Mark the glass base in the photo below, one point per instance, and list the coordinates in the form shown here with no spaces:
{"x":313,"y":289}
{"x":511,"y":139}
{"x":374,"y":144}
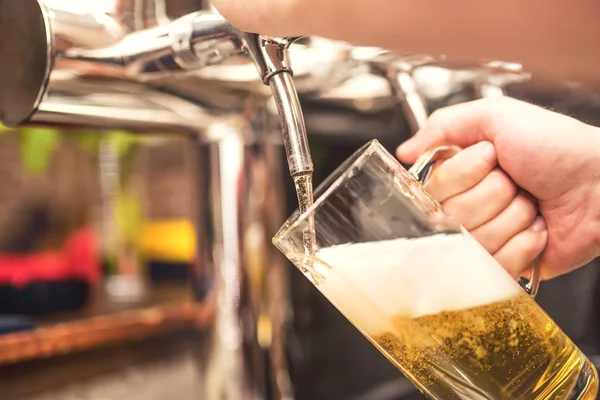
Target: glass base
{"x":586,"y":386}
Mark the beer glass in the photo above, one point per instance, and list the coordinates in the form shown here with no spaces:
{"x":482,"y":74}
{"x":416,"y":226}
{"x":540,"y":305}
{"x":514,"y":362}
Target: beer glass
{"x":424,"y":292}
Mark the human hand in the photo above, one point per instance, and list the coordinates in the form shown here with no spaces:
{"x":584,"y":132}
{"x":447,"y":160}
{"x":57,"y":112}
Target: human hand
{"x":486,"y":202}
{"x":553,"y":157}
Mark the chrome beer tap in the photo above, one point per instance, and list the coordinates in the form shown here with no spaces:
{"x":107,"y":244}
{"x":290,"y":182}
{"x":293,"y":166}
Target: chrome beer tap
{"x":124,"y":65}
{"x":189,"y":43}
{"x":271,"y":57}
{"x":397,"y":69}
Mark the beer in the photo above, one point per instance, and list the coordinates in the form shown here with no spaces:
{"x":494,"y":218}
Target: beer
{"x":304,"y":192}
{"x":447,"y":315}
{"x":507,"y":350}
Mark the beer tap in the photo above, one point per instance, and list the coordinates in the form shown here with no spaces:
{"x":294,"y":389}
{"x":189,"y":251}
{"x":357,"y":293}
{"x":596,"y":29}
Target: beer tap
{"x":197,"y":40}
{"x":271,"y":57}
{"x":397,"y":69}
{"x":73,"y":68}
{"x":496,"y":75}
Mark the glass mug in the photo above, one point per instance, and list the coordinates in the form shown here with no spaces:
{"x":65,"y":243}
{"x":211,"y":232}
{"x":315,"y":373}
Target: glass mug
{"x":424,"y":292}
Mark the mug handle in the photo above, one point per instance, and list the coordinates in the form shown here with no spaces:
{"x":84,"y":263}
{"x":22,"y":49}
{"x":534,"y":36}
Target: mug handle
{"x":421,"y":171}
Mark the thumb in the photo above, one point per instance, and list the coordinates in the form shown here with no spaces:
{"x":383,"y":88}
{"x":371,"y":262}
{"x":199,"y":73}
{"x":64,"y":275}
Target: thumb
{"x":462,"y":125}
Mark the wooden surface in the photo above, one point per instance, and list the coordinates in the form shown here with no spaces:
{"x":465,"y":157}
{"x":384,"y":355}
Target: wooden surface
{"x":156,"y":368}
{"x":105,"y":323}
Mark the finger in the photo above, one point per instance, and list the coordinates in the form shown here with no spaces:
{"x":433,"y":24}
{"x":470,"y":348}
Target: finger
{"x":462,"y":124}
{"x":517,"y":217}
{"x":462,"y":172}
{"x":518,"y":254}
{"x":485,"y":201}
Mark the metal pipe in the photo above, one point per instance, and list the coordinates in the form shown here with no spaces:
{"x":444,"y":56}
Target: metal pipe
{"x":192,"y":42}
{"x":292,"y":124}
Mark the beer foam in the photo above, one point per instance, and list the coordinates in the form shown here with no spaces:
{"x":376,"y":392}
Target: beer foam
{"x":411,"y":277}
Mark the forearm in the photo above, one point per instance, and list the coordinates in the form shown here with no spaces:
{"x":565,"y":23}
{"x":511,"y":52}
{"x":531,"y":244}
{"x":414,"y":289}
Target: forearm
{"x":557,"y":39}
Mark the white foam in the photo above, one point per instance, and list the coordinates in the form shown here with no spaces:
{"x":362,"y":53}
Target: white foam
{"x":411,"y":277}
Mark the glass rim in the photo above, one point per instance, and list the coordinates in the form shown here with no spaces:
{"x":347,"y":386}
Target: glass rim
{"x":327,"y":187}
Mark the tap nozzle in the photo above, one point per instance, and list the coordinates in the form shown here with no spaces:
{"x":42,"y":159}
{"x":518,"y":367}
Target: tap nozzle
{"x":31,"y":33}
{"x":271,"y":57}
{"x":292,"y":124}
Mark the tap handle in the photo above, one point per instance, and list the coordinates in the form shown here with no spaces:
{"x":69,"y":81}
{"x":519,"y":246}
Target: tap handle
{"x":412,"y":103}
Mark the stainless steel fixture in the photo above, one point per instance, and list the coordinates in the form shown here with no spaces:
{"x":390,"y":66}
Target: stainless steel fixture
{"x":127,"y":65}
{"x":57,"y":38}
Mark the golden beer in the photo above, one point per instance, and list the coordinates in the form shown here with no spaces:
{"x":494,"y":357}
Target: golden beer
{"x":452,"y":320}
{"x":505,"y":350}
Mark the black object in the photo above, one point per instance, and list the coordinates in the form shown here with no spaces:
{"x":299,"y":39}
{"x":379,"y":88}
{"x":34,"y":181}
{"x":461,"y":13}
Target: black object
{"x":168,"y":271}
{"x":39,"y":298}
{"x":15,"y":323}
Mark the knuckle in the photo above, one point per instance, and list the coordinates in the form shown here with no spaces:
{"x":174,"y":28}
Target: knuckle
{"x":471,"y":171}
{"x":485,"y":164}
{"x":502,"y":184}
{"x":468,"y":167}
{"x":496,"y":109}
{"x":525,"y":208}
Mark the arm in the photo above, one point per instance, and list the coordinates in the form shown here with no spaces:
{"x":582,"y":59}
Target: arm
{"x":554,"y":39}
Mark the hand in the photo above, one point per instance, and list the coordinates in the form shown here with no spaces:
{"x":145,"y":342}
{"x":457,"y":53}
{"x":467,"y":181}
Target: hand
{"x":553,"y":157}
{"x":501,"y":217}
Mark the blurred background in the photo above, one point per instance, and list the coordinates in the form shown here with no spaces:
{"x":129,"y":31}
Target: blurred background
{"x":136,"y":218}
